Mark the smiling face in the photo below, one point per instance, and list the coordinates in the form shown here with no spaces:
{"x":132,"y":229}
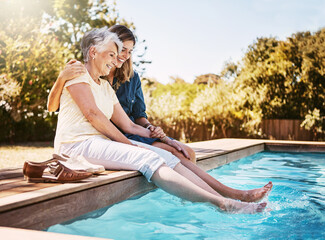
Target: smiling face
{"x":125,"y":53}
{"x":106,"y":58}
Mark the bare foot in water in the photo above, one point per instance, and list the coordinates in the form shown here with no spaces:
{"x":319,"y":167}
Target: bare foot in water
{"x":257,"y":194}
{"x":233,"y":206}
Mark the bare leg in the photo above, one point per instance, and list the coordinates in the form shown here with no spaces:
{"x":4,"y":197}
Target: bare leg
{"x":185,"y":172}
{"x":243,"y":195}
{"x":253,"y":195}
{"x":174,"y":183}
{"x":190,"y":152}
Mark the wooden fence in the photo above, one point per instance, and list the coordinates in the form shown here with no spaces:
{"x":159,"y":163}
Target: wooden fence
{"x":277,"y":129}
{"x":288,"y":129}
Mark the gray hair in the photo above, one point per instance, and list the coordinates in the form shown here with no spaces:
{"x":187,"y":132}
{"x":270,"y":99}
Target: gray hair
{"x":98,"y":37}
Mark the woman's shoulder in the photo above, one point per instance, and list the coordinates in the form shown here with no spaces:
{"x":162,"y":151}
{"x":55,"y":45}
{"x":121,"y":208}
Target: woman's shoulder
{"x":135,"y":76}
{"x":85,"y":78}
{"x":135,"y":79}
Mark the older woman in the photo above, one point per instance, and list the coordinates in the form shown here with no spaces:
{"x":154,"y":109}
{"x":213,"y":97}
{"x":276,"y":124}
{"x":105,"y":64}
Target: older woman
{"x":88,"y":104}
{"x":129,"y":92}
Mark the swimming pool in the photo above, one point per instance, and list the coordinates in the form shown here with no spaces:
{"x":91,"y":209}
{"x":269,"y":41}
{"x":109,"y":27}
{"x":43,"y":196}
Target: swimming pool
{"x":297,"y":200}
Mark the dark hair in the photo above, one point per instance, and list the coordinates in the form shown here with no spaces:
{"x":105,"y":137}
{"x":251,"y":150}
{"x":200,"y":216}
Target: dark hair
{"x":124,"y":73}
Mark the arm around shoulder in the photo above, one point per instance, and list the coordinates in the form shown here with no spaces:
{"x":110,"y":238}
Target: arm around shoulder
{"x":53,"y":100}
{"x":72,"y":70}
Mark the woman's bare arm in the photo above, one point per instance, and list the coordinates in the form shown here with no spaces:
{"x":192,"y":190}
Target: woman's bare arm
{"x":122,"y":120}
{"x":156,"y":132}
{"x":82,"y":95}
{"x":72,"y":70}
{"x":142,"y":121}
{"x":53,"y":100}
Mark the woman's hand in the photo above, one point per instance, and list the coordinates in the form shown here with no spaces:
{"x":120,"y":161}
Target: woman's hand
{"x":176,"y":145}
{"x":156,"y":132}
{"x":72,"y":70}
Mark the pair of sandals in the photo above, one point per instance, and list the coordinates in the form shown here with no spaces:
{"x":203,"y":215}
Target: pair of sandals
{"x":60,"y":169}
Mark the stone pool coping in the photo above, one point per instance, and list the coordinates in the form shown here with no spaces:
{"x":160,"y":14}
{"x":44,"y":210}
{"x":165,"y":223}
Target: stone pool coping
{"x":42,"y":208}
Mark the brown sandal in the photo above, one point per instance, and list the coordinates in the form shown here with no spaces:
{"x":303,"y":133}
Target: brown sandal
{"x":34,"y":172}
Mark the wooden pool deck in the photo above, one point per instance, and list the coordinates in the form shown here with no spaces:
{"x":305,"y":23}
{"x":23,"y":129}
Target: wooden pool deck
{"x":39,"y":205}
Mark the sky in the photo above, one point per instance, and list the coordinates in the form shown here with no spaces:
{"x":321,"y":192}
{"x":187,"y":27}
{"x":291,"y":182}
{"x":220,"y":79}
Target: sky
{"x":187,"y":38}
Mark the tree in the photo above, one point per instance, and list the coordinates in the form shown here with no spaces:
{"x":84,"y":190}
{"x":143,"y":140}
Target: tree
{"x":230,"y":71}
{"x":177,"y":79}
{"x":30,"y":60}
{"x":36,"y":39}
{"x":209,"y":79}
{"x":288,"y":75}
{"x":72,"y":18}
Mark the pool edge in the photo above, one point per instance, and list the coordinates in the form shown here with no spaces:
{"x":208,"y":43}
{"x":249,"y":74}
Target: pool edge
{"x":58,"y":209}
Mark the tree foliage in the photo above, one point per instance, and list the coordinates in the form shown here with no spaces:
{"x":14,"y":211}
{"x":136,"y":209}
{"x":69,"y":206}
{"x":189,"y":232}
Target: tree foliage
{"x":72,"y":18}
{"x":36,"y":39}
{"x":291,"y":74}
{"x":29,"y":62}
{"x":274,"y":80}
{"x":196,"y":112}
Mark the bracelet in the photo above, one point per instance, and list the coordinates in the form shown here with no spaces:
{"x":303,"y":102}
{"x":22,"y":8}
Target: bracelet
{"x":147,"y":126}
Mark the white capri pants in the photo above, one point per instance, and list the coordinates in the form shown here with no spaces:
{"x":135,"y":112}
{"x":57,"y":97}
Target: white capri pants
{"x":119,"y":156}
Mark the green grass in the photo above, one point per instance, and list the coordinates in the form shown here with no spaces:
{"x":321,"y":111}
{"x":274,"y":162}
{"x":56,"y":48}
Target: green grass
{"x":12,"y":156}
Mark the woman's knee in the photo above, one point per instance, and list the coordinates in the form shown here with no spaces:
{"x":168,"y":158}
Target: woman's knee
{"x":192,"y":154}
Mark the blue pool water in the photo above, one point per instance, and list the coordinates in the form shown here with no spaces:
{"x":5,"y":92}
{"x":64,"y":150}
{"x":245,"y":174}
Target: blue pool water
{"x":297,"y":202}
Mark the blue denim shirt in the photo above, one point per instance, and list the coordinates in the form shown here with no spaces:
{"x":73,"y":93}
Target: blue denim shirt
{"x":131,"y":98}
